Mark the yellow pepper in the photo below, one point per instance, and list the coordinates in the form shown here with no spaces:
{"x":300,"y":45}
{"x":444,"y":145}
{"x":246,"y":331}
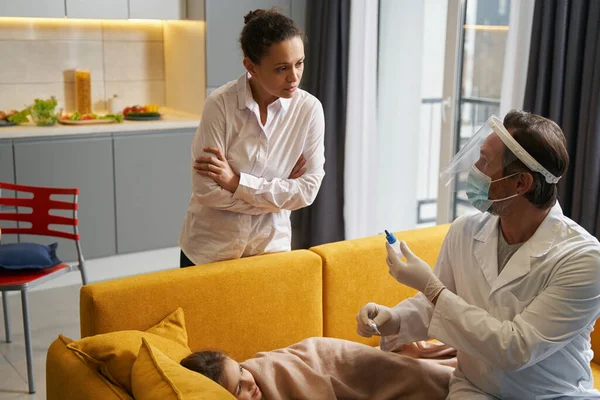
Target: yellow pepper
{"x":151,"y":108}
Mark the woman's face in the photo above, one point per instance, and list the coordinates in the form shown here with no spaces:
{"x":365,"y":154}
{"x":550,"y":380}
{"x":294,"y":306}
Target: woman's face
{"x":280,"y":70}
{"x":239,"y":381}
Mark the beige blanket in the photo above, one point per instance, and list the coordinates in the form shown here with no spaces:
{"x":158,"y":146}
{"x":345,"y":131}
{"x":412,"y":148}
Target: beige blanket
{"x":326,"y":368}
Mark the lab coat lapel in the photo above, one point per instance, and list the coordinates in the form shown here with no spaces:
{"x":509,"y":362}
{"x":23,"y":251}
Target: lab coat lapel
{"x":486,"y":249}
{"x":518,"y":266}
{"x":538,"y":245}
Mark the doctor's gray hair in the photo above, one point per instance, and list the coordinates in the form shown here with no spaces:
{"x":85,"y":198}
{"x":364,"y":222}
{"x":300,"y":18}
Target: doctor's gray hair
{"x":264,"y":28}
{"x":545,"y":142}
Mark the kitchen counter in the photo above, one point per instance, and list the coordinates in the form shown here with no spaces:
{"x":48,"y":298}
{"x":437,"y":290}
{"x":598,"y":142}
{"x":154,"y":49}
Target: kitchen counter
{"x":169,"y":121}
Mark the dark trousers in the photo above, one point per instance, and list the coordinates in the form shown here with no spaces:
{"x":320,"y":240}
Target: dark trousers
{"x":184,"y":261}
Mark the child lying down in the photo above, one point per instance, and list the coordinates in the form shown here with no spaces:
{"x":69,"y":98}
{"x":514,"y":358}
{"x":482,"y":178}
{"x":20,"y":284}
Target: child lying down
{"x":328,"y":368}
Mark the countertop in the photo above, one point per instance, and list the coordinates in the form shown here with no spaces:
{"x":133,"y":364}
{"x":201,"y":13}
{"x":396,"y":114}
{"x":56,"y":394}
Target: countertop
{"x":169,"y":121}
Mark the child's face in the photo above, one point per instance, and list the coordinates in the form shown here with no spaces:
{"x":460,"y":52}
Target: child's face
{"x":239,"y":381}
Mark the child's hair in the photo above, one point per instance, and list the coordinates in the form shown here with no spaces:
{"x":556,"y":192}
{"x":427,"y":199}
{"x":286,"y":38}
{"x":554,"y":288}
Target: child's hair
{"x":208,"y":363}
{"x":262,"y":29}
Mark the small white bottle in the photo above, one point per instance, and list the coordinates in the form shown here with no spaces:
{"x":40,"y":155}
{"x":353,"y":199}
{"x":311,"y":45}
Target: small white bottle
{"x":391,"y":239}
{"x":114,"y":105}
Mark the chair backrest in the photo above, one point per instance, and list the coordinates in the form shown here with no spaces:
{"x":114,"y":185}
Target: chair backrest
{"x":40,"y":217}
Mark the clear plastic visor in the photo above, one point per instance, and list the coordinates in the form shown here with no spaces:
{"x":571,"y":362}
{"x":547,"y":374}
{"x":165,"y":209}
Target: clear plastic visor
{"x":489,"y":150}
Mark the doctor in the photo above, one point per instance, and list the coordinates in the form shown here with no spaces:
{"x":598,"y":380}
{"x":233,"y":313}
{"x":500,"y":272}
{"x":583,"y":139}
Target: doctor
{"x":516,"y":288}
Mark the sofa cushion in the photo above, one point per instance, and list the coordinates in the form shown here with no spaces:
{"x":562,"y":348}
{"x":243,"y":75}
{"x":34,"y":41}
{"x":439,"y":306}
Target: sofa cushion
{"x":157,"y":377}
{"x":68,"y":377}
{"x":224,"y":302}
{"x":113,"y":354}
{"x":344,"y":293}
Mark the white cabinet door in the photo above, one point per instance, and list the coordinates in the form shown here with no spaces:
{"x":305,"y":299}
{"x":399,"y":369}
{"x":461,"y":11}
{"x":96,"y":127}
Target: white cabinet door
{"x":157,"y":9}
{"x":105,"y":9}
{"x":32,"y":8}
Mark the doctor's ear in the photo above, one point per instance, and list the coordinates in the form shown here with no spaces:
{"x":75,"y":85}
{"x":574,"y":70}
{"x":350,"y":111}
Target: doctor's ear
{"x":524,"y":182}
{"x":250,"y":66}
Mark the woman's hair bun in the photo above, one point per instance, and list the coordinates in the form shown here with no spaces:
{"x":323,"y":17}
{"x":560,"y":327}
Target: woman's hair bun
{"x":253,"y":14}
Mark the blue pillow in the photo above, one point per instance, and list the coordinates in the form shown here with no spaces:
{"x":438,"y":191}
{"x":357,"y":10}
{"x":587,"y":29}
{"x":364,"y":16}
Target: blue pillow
{"x":28,"y":256}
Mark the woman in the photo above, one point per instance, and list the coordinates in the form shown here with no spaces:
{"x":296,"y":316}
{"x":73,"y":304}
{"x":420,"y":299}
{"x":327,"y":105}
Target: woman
{"x":258,"y":153}
{"x":329,"y":368}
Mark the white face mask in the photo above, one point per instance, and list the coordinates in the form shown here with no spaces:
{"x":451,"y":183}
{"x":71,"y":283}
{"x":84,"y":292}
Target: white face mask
{"x":478,"y":189}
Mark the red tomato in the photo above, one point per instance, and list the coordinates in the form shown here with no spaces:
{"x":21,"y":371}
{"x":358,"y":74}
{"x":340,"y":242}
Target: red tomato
{"x":126,"y":111}
{"x":86,"y":117}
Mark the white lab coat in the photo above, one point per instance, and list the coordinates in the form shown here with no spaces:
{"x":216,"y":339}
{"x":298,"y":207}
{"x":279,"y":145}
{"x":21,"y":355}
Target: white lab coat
{"x":525,"y":333}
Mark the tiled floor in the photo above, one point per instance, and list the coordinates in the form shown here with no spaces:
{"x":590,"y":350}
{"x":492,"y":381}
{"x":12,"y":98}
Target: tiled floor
{"x":52,"y":312}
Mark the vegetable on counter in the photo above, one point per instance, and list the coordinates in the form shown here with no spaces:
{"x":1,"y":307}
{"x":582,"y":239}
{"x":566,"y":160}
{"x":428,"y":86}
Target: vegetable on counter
{"x":116,"y":117}
{"x":144,"y":114}
{"x":151,"y":108}
{"x":15,"y":117}
{"x":43,"y":112}
{"x":135,"y":109}
{"x":77,"y":116}
{"x":147,"y":109}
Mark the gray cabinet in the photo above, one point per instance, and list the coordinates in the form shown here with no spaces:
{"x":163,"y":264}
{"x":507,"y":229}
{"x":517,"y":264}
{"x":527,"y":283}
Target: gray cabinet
{"x":157,"y":9}
{"x":32,"y":8}
{"x":86,"y":163}
{"x":298,"y":12}
{"x":224,"y":23}
{"x":7,"y":175}
{"x":152,"y":187}
{"x":195,"y":10}
{"x":106,"y":9}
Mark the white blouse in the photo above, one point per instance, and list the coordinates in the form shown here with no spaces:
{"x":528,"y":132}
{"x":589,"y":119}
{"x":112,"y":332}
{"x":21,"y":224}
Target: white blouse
{"x":255,"y":219}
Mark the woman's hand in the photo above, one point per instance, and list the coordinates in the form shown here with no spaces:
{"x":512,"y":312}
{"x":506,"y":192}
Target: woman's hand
{"x":218,"y":169}
{"x":299,"y":169}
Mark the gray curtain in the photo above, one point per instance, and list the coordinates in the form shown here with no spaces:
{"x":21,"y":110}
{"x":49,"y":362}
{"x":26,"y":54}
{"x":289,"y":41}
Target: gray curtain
{"x":563,"y":84}
{"x":328,"y":33}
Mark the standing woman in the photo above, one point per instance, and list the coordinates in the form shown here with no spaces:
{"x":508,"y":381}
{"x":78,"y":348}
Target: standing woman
{"x":258,"y":153}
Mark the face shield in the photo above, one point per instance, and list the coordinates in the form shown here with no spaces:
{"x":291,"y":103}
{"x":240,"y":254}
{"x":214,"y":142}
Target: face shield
{"x":481,"y":161}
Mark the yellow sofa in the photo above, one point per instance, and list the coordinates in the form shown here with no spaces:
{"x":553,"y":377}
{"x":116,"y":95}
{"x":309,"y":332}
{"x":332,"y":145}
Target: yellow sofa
{"x":245,"y":306}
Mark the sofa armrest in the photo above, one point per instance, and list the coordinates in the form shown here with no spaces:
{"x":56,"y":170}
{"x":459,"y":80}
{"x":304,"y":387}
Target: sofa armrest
{"x":68,"y":377}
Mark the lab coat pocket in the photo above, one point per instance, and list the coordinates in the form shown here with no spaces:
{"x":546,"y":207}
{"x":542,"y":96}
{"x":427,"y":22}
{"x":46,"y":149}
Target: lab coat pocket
{"x":511,"y":305}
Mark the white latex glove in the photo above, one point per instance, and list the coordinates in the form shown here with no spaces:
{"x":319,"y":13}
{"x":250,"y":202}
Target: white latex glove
{"x":384,"y":318}
{"x":414,"y":273}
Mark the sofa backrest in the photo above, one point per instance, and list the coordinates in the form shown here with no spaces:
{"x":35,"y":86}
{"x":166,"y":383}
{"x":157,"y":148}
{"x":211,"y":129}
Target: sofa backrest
{"x":240,"y":306}
{"x":284,"y":297}
{"x":355,"y":273}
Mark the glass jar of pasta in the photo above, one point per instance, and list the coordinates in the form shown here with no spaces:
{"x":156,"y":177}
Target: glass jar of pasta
{"x":83,"y":91}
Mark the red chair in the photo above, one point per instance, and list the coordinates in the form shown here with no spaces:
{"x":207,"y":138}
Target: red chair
{"x":40,"y":220}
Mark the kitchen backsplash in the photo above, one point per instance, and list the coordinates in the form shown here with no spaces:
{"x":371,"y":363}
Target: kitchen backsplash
{"x":38,"y":56}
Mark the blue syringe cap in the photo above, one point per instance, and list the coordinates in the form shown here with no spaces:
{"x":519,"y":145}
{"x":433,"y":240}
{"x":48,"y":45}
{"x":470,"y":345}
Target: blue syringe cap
{"x":390,"y":237}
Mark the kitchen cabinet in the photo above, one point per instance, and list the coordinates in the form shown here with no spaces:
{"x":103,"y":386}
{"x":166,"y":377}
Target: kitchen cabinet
{"x":85,"y":163}
{"x":152,"y":188}
{"x":106,"y":9}
{"x":157,"y":9}
{"x":298,"y":12}
{"x":33,"y":8}
{"x":195,"y":10}
{"x":7,"y":175}
{"x":224,"y":23}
